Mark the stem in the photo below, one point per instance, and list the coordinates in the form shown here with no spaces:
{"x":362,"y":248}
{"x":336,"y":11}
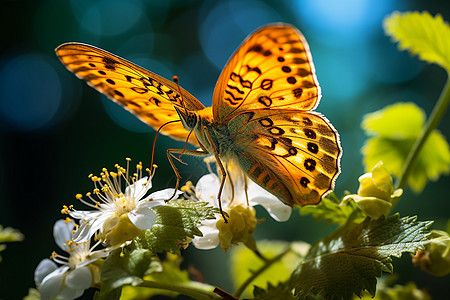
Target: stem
{"x":203,"y":292}
{"x":434,"y":119}
{"x":255,"y":274}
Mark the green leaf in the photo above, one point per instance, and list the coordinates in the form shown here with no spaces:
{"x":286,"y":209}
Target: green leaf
{"x":402,"y":120}
{"x":125,"y":267}
{"x":331,"y":210}
{"x":175,"y":224}
{"x":422,"y":34}
{"x":349,"y":260}
{"x":169,"y":272}
{"x":9,"y":234}
{"x":244,"y":263}
{"x":280,"y":291}
{"x":395,"y":130}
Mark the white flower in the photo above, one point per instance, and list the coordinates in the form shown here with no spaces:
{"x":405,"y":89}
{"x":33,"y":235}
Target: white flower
{"x":77,"y":272}
{"x":118,"y":215}
{"x":235,"y":196}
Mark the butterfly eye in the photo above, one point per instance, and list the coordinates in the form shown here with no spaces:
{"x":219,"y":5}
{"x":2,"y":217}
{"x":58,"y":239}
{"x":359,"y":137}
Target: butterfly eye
{"x":191,"y":120}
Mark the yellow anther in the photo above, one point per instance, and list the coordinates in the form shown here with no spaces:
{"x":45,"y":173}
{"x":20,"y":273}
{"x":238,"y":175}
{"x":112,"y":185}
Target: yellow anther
{"x":90,"y":175}
{"x":155,"y":166}
{"x":96,"y":191}
{"x":105,"y":188}
{"x":53,"y":255}
{"x":113,"y":174}
{"x":71,"y":243}
{"x":97,"y":205}
{"x":128,"y":159}
{"x":78,"y":196}
{"x":88,"y":194}
{"x":65,"y":210}
{"x":105,"y":170}
{"x":67,"y":220}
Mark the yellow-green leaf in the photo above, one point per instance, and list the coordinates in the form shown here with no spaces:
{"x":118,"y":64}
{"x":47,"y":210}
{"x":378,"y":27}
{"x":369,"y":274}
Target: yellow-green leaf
{"x":395,"y":130}
{"x":422,"y":34}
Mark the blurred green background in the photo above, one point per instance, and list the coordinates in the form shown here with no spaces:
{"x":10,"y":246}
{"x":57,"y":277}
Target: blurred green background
{"x":55,"y":130}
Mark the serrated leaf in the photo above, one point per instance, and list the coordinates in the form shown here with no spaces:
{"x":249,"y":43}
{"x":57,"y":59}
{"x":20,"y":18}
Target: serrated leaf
{"x":394,"y":138}
{"x":244,"y":262}
{"x":422,"y":34}
{"x":349,"y":260}
{"x":125,"y":268}
{"x":280,"y":291}
{"x":175,"y":223}
{"x":331,"y":210}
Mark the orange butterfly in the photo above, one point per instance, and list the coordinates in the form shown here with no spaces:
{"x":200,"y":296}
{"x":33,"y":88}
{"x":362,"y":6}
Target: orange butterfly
{"x":261,"y":118}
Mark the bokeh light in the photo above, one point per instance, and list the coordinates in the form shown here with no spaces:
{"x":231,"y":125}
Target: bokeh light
{"x":107,"y":17}
{"x":27,"y":103}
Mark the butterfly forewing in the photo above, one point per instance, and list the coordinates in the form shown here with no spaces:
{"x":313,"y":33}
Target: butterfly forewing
{"x":271,"y":69}
{"x":292,"y":154}
{"x":147,"y":95}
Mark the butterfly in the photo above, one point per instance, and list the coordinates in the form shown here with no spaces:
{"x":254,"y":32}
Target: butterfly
{"x":261,"y":118}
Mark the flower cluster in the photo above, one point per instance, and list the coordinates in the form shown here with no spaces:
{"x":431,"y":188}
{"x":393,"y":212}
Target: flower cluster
{"x":238,"y":198}
{"x":118,"y":216}
{"x":77,"y":272}
{"x":122,"y":207}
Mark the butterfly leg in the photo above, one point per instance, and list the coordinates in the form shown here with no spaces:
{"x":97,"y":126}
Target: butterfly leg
{"x":170,"y":156}
{"x":222,"y":170}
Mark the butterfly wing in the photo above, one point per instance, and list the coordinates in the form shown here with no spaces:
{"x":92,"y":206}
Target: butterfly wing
{"x":145,"y":94}
{"x":292,"y":154}
{"x":271,"y":69}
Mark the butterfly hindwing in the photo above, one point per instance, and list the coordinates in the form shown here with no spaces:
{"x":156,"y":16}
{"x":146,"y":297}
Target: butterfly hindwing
{"x":292,"y":154}
{"x":147,"y":95}
{"x":271,"y":69}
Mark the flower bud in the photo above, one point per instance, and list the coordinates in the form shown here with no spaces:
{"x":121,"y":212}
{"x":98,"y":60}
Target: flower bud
{"x":240,"y":227}
{"x":436,"y":259}
{"x":375,"y":193}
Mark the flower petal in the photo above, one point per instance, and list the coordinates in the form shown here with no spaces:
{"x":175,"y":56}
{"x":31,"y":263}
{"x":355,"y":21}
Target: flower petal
{"x":210,"y":238}
{"x":62,"y":232}
{"x":139,"y":188}
{"x":162,"y":195}
{"x":52,"y":283}
{"x":143,"y":217}
{"x":45,"y":267}
{"x":89,"y":226}
{"x":80,"y":278}
{"x":277,"y":209}
{"x":69,"y":293}
{"x":207,"y":188}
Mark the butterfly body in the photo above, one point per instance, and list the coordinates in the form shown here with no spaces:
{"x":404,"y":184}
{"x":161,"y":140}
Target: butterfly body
{"x":261,"y":117}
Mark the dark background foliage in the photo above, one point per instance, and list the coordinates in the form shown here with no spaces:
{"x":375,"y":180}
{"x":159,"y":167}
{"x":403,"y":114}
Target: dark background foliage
{"x":55,"y":130}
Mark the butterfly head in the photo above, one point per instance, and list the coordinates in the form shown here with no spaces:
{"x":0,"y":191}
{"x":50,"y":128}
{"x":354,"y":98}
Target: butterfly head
{"x":188,"y":118}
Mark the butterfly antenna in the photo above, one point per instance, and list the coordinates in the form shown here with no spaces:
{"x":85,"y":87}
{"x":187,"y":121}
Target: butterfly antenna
{"x":154,"y":143}
{"x":177,"y":80}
